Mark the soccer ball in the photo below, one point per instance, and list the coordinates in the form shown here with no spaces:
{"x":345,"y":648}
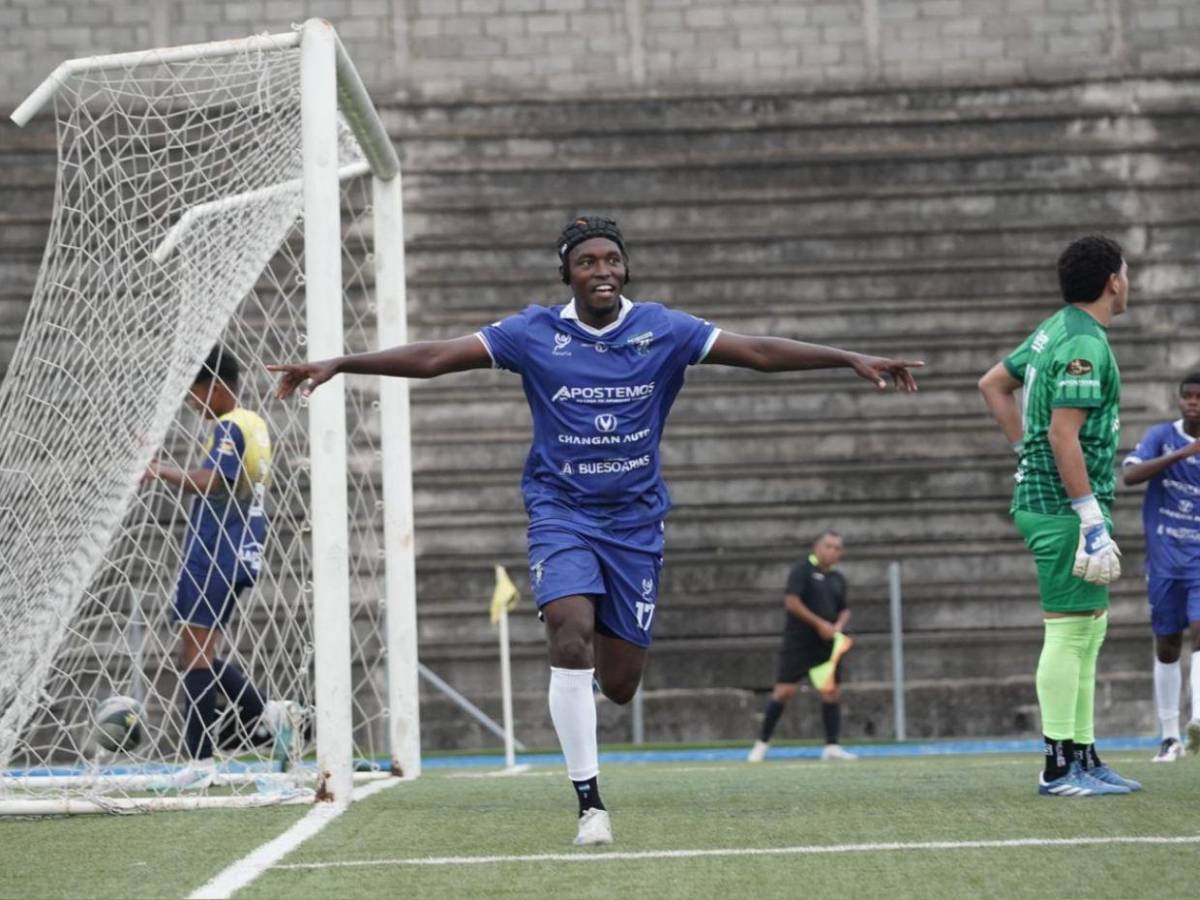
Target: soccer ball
{"x":120,"y":724}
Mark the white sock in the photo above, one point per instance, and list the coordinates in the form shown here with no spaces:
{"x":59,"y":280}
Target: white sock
{"x":1168,"y":679}
{"x":573,"y":711}
{"x":1195,"y":678}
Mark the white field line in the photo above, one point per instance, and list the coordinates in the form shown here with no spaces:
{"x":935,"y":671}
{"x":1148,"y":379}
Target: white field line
{"x":811,"y":850}
{"x":813,"y":766}
{"x":245,"y":870}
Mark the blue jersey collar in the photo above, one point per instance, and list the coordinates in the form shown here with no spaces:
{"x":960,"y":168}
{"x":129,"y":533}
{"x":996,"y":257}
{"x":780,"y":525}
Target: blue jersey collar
{"x":568,"y":312}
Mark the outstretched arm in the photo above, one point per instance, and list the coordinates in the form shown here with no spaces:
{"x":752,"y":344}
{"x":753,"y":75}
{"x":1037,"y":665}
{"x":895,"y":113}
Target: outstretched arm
{"x":772,"y":354}
{"x":1136,"y":473}
{"x":999,"y":390}
{"x":424,"y":359}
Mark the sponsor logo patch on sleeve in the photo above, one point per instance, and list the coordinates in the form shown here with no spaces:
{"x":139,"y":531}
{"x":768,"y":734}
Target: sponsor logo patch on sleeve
{"x":1079,"y":367}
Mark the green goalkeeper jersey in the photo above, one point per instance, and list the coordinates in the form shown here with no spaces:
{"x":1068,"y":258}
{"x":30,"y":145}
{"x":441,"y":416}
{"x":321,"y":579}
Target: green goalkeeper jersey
{"x":1066,"y":362}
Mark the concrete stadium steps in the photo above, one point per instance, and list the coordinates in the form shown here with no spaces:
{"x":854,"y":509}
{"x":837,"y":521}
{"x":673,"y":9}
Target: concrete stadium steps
{"x":581,"y":138}
{"x":753,"y":444}
{"x":733,"y":252}
{"x":813,"y":109}
{"x":749,"y":663}
{"x":748,"y":612}
{"x":899,"y":221}
{"x":631,"y":185}
{"x":748,"y":526}
{"x":466,"y":577}
{"x":905,"y":316}
{"x":713,"y":290}
{"x":843,"y":214}
{"x":937,"y":708}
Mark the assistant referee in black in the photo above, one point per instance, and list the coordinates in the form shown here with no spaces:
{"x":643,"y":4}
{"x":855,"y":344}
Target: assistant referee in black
{"x":815,"y":600}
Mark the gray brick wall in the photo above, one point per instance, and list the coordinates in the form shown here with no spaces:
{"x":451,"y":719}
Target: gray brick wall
{"x":444,"y":48}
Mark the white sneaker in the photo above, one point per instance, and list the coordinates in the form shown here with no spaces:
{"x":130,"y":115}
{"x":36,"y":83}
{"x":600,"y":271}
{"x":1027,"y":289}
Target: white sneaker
{"x":1169,"y":751}
{"x":758,"y":752}
{"x":282,"y":718}
{"x":195,"y":776}
{"x":594,"y":828}
{"x":836,"y":751}
{"x":1193,"y":737}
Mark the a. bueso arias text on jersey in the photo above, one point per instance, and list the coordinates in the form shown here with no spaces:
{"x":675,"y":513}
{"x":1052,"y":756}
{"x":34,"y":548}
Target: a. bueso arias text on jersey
{"x":600,"y":399}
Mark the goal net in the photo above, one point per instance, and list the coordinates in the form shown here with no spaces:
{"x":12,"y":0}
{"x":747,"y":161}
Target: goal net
{"x":179,"y":225}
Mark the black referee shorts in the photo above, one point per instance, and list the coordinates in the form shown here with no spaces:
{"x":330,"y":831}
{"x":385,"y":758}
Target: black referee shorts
{"x":801,"y":652}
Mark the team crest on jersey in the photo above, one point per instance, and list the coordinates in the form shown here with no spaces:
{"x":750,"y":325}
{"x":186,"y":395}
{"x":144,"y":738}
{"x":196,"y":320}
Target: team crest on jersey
{"x":1079,"y":367}
{"x":641,"y":342}
{"x":561,"y":341}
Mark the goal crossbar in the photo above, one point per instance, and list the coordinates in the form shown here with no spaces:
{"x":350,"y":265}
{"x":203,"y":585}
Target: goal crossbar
{"x":355,"y":102}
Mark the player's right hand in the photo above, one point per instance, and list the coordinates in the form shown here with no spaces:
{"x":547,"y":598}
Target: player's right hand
{"x":306,"y":376}
{"x":1097,"y":556}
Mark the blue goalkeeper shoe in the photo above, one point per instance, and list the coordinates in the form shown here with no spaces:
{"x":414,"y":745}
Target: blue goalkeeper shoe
{"x":1108,"y":776}
{"x":1077,"y":783}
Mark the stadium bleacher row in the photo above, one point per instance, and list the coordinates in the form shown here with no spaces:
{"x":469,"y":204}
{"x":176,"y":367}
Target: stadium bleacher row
{"x":918,"y":222}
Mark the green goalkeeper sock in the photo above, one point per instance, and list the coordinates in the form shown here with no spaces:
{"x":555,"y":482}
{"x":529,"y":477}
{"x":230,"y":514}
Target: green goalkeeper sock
{"x":1064,"y":647}
{"x":1085,"y":697}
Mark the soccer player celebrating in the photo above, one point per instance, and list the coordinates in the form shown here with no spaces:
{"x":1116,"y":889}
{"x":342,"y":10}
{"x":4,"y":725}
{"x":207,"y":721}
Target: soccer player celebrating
{"x":222,"y":555}
{"x":600,"y":373}
{"x":1168,"y":457}
{"x":1066,"y":434}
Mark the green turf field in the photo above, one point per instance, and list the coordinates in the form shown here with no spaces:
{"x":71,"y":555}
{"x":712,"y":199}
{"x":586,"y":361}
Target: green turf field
{"x":416,"y":839}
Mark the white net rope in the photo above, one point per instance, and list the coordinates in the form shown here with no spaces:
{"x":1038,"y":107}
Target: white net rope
{"x":176,"y":225}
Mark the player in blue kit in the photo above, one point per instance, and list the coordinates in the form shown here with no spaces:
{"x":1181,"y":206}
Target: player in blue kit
{"x":222,"y":555}
{"x":600,"y":373}
{"x":1168,"y":457}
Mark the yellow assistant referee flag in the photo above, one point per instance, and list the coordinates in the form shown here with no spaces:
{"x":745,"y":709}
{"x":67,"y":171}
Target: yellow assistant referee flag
{"x":505,"y":595}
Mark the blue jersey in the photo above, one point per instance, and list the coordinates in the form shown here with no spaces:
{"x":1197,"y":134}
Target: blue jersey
{"x":599,"y":399}
{"x":227,"y":527}
{"x":1171,"y":508}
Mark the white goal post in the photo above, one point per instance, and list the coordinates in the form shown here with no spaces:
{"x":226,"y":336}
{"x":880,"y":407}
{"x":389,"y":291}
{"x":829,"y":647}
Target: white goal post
{"x":242,"y":193}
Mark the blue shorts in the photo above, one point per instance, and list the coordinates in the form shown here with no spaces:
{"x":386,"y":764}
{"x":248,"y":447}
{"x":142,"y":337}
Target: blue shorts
{"x":619,"y":570}
{"x":1174,"y":602}
{"x":206,"y":592}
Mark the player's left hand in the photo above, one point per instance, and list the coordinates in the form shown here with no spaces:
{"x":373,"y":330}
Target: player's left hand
{"x":878,"y":369}
{"x":1097,"y":556}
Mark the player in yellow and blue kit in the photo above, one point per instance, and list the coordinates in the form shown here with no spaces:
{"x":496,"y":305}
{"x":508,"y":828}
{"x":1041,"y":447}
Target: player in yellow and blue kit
{"x":222,"y":556}
{"x":600,"y":373}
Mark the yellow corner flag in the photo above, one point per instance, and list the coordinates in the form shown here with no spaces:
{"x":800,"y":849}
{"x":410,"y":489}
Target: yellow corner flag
{"x":824,"y":676}
{"x":505,"y":595}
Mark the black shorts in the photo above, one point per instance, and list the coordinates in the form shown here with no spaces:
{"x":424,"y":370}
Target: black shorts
{"x":801,"y":652}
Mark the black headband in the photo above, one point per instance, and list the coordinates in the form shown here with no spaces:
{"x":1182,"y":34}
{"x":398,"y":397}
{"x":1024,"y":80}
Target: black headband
{"x":582,"y":229}
{"x":586,"y":227}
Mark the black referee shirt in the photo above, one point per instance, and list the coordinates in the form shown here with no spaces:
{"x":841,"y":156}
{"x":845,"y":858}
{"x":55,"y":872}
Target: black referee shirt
{"x":824,"y":592}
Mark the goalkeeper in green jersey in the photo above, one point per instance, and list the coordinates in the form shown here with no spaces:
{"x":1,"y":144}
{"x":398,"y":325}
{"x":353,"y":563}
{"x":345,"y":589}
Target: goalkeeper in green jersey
{"x":1065,"y":433}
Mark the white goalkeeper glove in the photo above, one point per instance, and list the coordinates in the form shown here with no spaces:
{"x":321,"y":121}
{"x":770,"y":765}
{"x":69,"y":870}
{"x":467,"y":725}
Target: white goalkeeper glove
{"x":1097,"y":558}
